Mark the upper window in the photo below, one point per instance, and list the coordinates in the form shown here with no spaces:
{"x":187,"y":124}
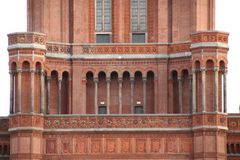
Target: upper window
{"x":139,"y":15}
{"x":103,"y":15}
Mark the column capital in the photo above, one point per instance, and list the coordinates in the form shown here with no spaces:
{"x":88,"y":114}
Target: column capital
{"x":12,"y":72}
{"x":32,"y":70}
{"x":132,"y":79}
{"x":19,"y":71}
{"x":179,"y":78}
{"x":59,"y":79}
{"x":108,"y":79}
{"x":144,"y":79}
{"x":225,"y":71}
{"x":216,"y":69}
{"x":120,"y":79}
{"x":203,"y":69}
{"x":48,"y":78}
{"x":95,"y":79}
{"x":194,"y":70}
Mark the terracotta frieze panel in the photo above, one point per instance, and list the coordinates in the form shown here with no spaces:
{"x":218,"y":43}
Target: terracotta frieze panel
{"x":37,"y":38}
{"x":52,"y":122}
{"x":209,"y":37}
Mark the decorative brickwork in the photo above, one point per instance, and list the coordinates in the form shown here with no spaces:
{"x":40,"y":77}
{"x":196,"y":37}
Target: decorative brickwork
{"x":73,"y":98}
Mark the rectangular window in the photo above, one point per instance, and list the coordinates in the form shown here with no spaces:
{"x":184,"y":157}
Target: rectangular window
{"x":103,"y":38}
{"x":138,"y":38}
{"x":102,"y":110}
{"x":138,"y":110}
{"x":139,"y":15}
{"x":103,"y":13}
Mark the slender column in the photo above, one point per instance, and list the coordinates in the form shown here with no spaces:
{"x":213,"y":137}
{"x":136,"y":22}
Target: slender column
{"x":19,"y":90}
{"x":155,"y":94}
{"x":132,"y":92}
{"x":190,"y":93}
{"x":32,"y":90}
{"x":120,"y":95}
{"x":144,"y":94}
{"x":11,"y":91}
{"x":180,"y":94}
{"x":96,"y":95}
{"x":59,"y":94}
{"x":42,"y":91}
{"x":108,"y":94}
{"x":216,"y":109}
{"x":225,"y":91}
{"x":70,"y":95}
{"x":203,"y":89}
{"x":48,"y":94}
{"x":194,"y":88}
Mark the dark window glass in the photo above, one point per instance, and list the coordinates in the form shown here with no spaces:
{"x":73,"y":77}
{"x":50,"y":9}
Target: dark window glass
{"x":138,"y":38}
{"x":138,"y":109}
{"x":103,"y":38}
{"x":102,"y":110}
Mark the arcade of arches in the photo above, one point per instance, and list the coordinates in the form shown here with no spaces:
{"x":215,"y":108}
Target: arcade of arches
{"x":119,"y":93}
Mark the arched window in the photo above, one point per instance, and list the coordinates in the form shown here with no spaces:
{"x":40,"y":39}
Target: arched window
{"x":103,"y":26}
{"x":139,"y":20}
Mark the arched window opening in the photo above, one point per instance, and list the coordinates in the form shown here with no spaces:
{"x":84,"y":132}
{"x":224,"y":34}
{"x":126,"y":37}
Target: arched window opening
{"x":175,"y":91}
{"x":90,"y":93}
{"x":114,"y":94}
{"x":126,"y":94}
{"x":150,"y":96}
{"x":65,"y":94}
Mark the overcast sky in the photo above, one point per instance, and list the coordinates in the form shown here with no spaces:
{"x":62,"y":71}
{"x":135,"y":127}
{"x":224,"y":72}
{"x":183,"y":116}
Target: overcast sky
{"x":13,"y":19}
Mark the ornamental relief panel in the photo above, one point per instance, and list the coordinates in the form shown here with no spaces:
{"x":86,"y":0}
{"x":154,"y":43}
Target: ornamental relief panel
{"x":141,"y":146}
{"x":111,"y":146}
{"x":27,"y":38}
{"x":210,"y":37}
{"x":51,"y":146}
{"x":126,"y":146}
{"x":81,"y":146}
{"x":234,"y":124}
{"x":157,"y":146}
{"x":118,"y":122}
{"x":96,"y":146}
{"x":101,"y":145}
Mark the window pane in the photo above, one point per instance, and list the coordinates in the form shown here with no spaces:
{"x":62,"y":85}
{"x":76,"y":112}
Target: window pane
{"x":103,"y":38}
{"x":103,"y":24}
{"x":139,"y":15}
{"x":138,"y":38}
{"x":138,"y":110}
{"x":102,"y":110}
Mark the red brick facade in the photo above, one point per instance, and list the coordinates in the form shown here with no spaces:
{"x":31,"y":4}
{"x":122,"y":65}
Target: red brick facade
{"x":61,"y":80}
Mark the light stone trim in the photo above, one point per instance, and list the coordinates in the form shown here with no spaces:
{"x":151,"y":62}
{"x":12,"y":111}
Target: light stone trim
{"x":25,"y":129}
{"x":100,"y":129}
{"x":25,"y":55}
{"x":27,"y":33}
{"x":119,"y":56}
{"x":117,"y":115}
{"x":209,"y":127}
{"x":27,"y":45}
{"x":209,"y":44}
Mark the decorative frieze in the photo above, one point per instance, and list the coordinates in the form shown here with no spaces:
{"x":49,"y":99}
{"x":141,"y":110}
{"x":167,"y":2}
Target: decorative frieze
{"x":27,"y":38}
{"x":209,"y":37}
{"x":117,"y":122}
